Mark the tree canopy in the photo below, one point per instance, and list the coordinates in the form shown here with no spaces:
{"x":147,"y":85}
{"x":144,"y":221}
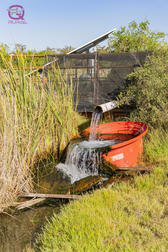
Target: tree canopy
{"x":137,"y":37}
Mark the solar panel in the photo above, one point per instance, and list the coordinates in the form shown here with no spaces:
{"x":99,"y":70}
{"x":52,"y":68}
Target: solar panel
{"x":91,"y":44}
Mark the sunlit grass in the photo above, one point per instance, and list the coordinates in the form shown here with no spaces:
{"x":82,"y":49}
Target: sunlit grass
{"x":126,"y":217}
{"x":36,"y":120}
{"x":129,"y":217}
{"x":156,"y":147}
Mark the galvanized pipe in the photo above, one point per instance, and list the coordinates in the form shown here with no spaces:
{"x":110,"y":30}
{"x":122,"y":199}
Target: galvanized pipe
{"x":106,"y":107}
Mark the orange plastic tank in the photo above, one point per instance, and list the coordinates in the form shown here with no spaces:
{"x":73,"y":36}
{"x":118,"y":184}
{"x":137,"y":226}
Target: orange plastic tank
{"x":128,"y":152}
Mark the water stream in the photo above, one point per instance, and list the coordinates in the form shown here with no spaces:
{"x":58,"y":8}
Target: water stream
{"x":18,"y":232}
{"x":84,"y":158}
{"x":96,"y":116}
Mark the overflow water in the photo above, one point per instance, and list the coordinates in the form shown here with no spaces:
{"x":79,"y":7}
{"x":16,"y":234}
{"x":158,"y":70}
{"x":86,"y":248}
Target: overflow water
{"x":80,"y":162}
{"x":84,"y":158}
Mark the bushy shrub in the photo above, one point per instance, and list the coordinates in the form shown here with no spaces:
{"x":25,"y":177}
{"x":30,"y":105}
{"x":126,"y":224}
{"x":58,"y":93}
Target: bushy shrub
{"x":148,"y":89}
{"x":136,"y":37}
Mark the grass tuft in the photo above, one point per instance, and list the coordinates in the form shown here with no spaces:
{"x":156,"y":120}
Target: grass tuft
{"x":156,"y":147}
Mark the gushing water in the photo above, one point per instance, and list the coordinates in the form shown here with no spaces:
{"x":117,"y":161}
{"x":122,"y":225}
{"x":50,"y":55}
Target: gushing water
{"x":94,"y":125}
{"x":80,"y":162}
{"x":84,"y":158}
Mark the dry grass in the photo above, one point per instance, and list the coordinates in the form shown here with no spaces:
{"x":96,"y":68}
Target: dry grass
{"x":15,"y":176}
{"x":36,"y":120}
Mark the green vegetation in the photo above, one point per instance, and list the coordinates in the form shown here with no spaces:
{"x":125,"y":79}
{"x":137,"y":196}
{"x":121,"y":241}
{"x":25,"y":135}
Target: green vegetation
{"x":127,"y":217}
{"x":35,"y":122}
{"x":124,"y":217}
{"x":137,"y":37}
{"x":156,"y":148}
{"x":33,"y":58}
{"x":148,"y":89}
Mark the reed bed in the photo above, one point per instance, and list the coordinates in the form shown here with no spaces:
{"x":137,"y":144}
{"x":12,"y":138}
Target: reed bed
{"x":36,"y":119}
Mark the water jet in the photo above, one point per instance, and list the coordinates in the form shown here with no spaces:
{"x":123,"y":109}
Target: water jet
{"x":116,"y":144}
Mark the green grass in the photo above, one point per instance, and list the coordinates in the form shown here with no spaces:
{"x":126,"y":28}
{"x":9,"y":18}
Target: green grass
{"x":126,"y":217}
{"x":130,"y":217}
{"x":156,"y":147}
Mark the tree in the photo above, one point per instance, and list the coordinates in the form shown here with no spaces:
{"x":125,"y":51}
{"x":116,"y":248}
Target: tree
{"x":20,"y":47}
{"x":148,"y":84}
{"x":102,"y":49}
{"x":137,"y":37}
{"x":50,"y":50}
{"x":65,"y":50}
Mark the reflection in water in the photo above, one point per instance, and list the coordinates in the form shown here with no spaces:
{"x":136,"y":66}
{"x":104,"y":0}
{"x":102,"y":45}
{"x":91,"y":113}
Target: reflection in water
{"x":18,"y":232}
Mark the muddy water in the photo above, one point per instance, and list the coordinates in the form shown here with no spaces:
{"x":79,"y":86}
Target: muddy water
{"x":19,"y":231}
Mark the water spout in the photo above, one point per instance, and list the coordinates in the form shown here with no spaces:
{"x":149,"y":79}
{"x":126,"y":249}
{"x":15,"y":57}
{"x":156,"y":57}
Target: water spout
{"x":96,"y":116}
{"x":84,"y":158}
{"x":106,"y":107}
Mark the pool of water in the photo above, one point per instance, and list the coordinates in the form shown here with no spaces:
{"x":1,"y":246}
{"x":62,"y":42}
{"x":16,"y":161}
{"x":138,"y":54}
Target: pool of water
{"x":18,"y":232}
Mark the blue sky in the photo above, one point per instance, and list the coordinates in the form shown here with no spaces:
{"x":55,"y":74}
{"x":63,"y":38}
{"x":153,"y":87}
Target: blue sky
{"x":60,"y":23}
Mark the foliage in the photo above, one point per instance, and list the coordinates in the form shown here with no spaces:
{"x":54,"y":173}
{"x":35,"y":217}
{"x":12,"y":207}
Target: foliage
{"x":156,"y":147}
{"x":20,"y":47}
{"x":5,"y":46}
{"x":64,"y":50}
{"x":137,"y":37}
{"x":129,"y":217}
{"x":102,"y":49}
{"x":35,"y":120}
{"x":149,"y":90}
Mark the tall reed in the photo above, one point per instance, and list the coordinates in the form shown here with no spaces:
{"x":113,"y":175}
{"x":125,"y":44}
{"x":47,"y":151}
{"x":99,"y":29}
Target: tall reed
{"x":35,"y":118}
{"x":15,"y":177}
